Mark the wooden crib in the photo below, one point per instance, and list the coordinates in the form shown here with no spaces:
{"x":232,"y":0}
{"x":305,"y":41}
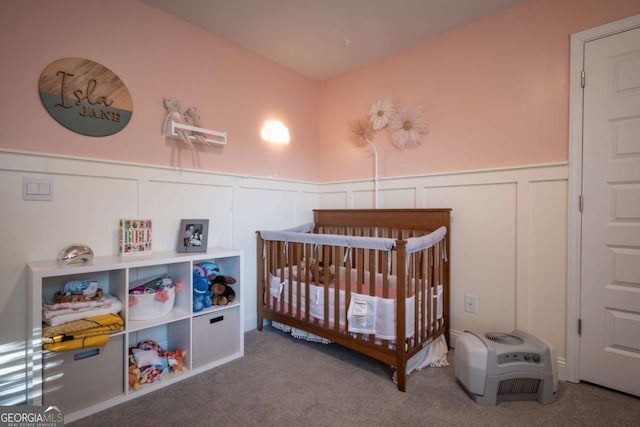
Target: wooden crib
{"x":345,"y":276}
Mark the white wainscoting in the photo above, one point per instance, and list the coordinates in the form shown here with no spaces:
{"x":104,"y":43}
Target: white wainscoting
{"x":89,"y":198}
{"x":508,"y":233}
{"x":508,"y":242}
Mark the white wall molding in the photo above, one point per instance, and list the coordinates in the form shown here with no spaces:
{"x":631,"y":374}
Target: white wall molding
{"x":31,"y":155}
{"x":504,"y":169}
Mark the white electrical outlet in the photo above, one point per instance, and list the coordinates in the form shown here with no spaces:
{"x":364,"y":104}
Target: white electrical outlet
{"x":471,"y":303}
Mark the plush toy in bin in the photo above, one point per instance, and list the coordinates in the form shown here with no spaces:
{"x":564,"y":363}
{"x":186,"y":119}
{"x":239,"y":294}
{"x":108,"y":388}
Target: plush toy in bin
{"x":201,"y":292}
{"x":222,"y":293}
{"x":149,"y":363}
{"x":207,"y":269}
{"x":134,"y":374}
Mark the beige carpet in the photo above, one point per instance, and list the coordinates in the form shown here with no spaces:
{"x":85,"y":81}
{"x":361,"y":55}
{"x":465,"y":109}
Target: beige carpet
{"x":282,"y":381}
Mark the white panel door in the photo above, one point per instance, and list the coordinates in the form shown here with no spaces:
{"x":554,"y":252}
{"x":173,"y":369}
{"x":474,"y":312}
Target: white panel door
{"x":610,"y":289}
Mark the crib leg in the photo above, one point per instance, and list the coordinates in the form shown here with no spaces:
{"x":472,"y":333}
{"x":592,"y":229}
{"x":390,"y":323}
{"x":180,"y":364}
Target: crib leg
{"x":401,"y":376}
{"x":260,"y":318}
{"x":261,"y":282}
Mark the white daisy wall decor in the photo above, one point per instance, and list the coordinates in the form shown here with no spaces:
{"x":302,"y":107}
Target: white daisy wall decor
{"x":380,"y":113}
{"x":407,"y":127}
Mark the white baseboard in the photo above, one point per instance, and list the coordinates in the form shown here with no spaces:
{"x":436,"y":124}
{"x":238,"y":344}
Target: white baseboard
{"x":250,"y":322}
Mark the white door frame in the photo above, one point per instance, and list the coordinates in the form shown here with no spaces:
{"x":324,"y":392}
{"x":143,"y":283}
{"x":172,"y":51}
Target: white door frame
{"x":578,"y":41}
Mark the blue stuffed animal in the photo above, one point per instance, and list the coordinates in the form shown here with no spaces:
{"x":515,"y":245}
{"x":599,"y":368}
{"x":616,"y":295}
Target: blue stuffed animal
{"x":201,"y":292}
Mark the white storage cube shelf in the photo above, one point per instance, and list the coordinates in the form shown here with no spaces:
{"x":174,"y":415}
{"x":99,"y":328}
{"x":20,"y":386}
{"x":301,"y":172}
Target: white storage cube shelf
{"x":84,"y":381}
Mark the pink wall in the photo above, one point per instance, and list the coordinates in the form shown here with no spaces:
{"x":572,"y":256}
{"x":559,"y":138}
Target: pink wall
{"x":495,"y":93}
{"x":155,"y":55}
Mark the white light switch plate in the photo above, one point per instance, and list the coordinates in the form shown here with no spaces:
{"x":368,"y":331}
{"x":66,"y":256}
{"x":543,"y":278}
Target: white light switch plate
{"x":37,"y":189}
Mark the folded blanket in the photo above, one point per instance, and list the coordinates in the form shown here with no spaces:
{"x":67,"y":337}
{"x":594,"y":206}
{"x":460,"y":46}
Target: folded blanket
{"x":93,"y":341}
{"x":82,"y":328}
{"x":114,"y":307}
{"x":76,"y":305}
{"x":49,"y":311}
{"x":91,"y":332}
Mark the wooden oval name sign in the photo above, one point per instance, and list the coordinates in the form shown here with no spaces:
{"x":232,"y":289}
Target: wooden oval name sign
{"x":85,"y":97}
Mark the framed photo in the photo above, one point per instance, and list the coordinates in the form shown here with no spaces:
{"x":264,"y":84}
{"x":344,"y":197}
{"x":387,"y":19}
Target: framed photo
{"x":193,"y":234}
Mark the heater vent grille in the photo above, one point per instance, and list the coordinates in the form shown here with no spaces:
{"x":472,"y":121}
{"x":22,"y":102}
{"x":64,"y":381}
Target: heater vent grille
{"x":504,"y":338}
{"x":519,"y":386}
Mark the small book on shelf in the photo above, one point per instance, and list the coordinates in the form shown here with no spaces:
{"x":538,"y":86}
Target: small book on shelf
{"x":135,"y":236}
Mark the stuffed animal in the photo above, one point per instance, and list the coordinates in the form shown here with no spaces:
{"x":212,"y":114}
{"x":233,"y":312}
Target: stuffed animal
{"x":222,"y":293}
{"x":321,"y":273}
{"x":207,"y":269}
{"x":223,"y":280}
{"x":153,"y":362}
{"x":201,"y":293}
{"x":176,"y":360}
{"x":300,"y":274}
{"x":134,"y":374}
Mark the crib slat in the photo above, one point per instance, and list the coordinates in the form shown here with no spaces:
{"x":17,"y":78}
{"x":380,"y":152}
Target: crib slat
{"x":261,"y":273}
{"x":417,"y":285}
{"x":295,"y":261}
{"x":386,"y":286}
{"x":400,"y":315}
{"x":432,"y":289}
{"x":439,"y":273}
{"x":273,"y":252}
{"x":305,"y":278}
{"x":372,"y":277}
{"x":325,"y":255}
{"x":437,"y":280}
{"x":347,"y":273}
{"x":422,"y":292}
{"x":288,"y":255}
{"x":359,"y":269}
{"x":281,"y":265}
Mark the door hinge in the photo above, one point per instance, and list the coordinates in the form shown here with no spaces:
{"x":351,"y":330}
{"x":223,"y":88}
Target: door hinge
{"x":579,"y":326}
{"x":582,"y":78}
{"x":580,"y":203}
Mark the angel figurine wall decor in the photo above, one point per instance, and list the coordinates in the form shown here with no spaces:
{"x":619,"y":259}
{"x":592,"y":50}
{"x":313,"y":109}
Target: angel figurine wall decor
{"x":173,"y":115}
{"x":192,"y":117}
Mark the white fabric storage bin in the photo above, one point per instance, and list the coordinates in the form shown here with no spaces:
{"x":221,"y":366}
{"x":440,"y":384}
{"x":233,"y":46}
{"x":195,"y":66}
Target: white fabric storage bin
{"x":149,"y":306}
{"x":215,"y":336}
{"x":75,"y":379}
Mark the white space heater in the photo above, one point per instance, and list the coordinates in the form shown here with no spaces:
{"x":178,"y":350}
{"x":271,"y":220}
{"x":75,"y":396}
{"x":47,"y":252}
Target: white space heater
{"x":500,"y":366}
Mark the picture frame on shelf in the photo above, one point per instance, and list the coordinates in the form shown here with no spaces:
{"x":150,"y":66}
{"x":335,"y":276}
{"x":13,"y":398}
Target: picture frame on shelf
{"x":134,"y":236}
{"x":193,"y":235}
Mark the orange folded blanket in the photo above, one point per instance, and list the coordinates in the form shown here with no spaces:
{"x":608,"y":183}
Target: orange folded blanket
{"x":74,"y":344}
{"x":89,"y":332}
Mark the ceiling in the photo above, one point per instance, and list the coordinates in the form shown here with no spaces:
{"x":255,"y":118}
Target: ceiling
{"x":324,"y":38}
